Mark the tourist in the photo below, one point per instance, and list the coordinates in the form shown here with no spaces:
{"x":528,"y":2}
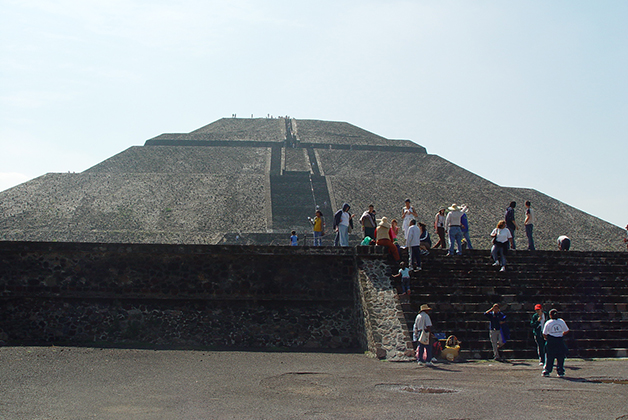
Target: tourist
{"x":509,"y":217}
{"x":318,"y":225}
{"x":555,"y":348}
{"x":439,"y":227}
{"x":464,"y":226}
{"x":413,"y":243}
{"x":501,"y":236}
{"x":564,"y":243}
{"x":404,"y":273}
{"x":407,"y":213}
{"x":394,"y":230}
{"x":537,"y":323}
{"x":496,"y":320}
{"x":529,"y":225}
{"x":421,"y":334}
{"x":342,"y":222}
{"x":368,"y":222}
{"x":452,"y":225}
{"x":294,"y":239}
{"x":626,"y":238}
{"x":424,"y":240}
{"x":394,"y":234}
{"x":382,"y":237}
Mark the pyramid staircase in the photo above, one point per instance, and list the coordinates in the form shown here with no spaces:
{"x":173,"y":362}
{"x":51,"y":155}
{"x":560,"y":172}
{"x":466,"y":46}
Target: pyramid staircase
{"x":589,"y":289}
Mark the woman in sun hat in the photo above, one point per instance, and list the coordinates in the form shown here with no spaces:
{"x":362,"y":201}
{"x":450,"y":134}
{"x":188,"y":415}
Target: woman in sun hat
{"x":382,"y":237}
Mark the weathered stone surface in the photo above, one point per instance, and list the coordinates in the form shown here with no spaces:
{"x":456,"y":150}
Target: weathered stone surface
{"x":387,"y":335}
{"x":185,"y":296}
{"x":254,"y":176}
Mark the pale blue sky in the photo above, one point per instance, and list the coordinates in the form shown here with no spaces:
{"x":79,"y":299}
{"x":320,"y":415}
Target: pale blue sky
{"x":526,"y":94}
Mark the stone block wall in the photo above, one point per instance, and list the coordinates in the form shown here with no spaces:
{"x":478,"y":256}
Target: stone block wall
{"x":248,"y":297}
{"x":386,"y":333}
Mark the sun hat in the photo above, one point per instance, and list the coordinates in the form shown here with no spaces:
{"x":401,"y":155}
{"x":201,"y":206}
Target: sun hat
{"x":425,"y":307}
{"x":454,"y":207}
{"x":384,"y":222}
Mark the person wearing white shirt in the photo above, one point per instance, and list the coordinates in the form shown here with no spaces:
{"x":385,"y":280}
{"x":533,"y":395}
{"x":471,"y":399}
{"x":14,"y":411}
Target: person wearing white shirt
{"x":453,"y":226}
{"x":413,"y":243}
{"x":422,"y":323}
{"x":407,"y":213}
{"x":555,"y":349}
{"x":501,"y":237}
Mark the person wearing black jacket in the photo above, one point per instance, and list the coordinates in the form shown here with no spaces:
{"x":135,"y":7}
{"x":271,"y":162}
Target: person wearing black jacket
{"x":509,"y":217}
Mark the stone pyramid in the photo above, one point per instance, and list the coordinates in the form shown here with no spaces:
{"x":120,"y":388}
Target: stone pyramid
{"x":254,"y":180}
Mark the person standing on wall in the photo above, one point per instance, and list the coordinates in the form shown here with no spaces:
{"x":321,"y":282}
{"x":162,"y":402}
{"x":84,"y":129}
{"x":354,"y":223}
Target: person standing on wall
{"x":342,"y":222}
{"x":464,"y":225}
{"x":509,"y":217}
{"x":529,"y":224}
{"x":452,"y":225}
{"x":368,"y":222}
{"x":413,"y":243}
{"x":439,"y":227}
{"x":407,"y":213}
{"x":555,"y":348}
{"x":318,"y":226}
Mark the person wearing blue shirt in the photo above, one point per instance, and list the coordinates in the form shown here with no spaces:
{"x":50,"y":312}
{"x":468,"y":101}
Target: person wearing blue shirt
{"x":496,"y":319}
{"x":404,"y":273}
{"x":294,"y":239}
{"x":464,"y":225}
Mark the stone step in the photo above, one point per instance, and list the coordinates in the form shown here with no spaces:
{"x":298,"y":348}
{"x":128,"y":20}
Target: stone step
{"x":524,"y":317}
{"x":589,"y":289}
{"x":595,"y":300}
{"x":531,"y":353}
{"x":609,"y":327}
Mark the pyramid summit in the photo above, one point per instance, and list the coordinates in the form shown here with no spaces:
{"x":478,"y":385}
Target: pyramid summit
{"x":257,"y":179}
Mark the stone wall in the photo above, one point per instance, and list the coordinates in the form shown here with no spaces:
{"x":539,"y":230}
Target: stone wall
{"x":247,"y":297}
{"x":386,"y":333}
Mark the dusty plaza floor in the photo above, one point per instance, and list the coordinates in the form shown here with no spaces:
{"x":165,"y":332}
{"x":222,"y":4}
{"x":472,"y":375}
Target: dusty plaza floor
{"x":93,"y":383}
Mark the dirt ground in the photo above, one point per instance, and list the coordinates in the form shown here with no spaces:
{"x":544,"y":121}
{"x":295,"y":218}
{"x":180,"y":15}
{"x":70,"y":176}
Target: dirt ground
{"x":92,"y":383}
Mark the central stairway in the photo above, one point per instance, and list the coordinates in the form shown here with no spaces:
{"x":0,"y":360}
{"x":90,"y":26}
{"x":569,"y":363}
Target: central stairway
{"x":589,"y":289}
{"x":295,"y":196}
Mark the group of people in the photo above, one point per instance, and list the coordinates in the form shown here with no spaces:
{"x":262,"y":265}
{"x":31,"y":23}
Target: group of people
{"x":386,"y":232}
{"x":452,"y":222}
{"x":547,"y":328}
{"x":548,"y":331}
{"x":455,"y":224}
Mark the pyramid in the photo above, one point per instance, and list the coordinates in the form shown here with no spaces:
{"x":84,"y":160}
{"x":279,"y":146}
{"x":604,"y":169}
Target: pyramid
{"x":255,"y":180}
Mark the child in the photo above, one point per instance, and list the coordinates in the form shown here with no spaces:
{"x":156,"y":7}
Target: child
{"x":404,"y":273}
{"x":294,"y":240}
